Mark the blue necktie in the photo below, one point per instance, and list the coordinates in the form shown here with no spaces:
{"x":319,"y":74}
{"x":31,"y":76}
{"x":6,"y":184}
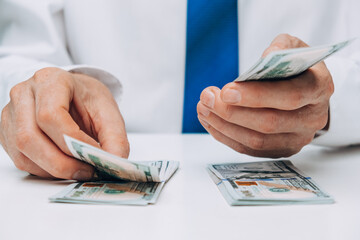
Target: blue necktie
{"x":211,"y":52}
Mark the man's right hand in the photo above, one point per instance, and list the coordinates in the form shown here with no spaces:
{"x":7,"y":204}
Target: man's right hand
{"x":52,"y":103}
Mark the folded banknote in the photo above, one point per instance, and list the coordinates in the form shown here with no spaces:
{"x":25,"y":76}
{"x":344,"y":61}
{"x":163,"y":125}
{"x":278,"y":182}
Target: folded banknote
{"x":112,"y":166}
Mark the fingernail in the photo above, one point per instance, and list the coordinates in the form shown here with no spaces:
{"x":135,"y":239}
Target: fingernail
{"x":83,"y":175}
{"x":204,"y":123}
{"x":208,"y":98}
{"x":231,"y":96}
{"x":203,"y":110}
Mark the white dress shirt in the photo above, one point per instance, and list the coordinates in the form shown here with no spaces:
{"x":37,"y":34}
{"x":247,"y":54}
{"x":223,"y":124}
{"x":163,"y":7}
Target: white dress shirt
{"x":137,"y":48}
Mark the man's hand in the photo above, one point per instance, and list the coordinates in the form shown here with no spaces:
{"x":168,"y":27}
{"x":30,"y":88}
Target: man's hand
{"x":269,"y":118}
{"x":52,"y":103}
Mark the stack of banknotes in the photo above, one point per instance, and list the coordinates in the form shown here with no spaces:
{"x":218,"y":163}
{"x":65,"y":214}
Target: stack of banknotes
{"x":266,"y":183}
{"x":121,"y":181}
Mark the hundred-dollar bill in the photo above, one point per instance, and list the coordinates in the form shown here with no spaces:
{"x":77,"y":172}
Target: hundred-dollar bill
{"x":111,"y":166}
{"x":266,"y":183}
{"x":118,"y":193}
{"x":290,"y":62}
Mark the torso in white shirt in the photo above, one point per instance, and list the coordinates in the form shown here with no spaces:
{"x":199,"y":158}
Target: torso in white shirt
{"x":143,"y":42}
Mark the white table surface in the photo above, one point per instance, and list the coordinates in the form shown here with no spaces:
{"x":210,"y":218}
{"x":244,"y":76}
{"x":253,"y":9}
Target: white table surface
{"x":190,"y":206}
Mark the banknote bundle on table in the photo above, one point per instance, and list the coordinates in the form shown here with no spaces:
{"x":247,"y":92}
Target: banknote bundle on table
{"x":265,"y":183}
{"x":122,"y":181}
{"x":289,"y":62}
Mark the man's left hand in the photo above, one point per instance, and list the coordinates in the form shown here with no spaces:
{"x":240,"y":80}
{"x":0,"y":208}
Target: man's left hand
{"x":269,"y":118}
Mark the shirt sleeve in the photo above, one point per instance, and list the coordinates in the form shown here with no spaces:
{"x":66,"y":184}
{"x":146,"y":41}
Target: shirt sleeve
{"x":32,"y":37}
{"x":344,"y":125}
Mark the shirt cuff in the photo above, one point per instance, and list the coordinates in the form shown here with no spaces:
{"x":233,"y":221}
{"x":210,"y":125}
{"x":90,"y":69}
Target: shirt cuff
{"x":344,"y":125}
{"x":108,"y":79}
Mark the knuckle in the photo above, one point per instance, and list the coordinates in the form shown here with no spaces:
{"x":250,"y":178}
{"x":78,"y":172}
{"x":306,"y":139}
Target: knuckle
{"x":285,"y":35}
{"x":216,"y":136}
{"x":322,"y":121}
{"x":257,"y":142}
{"x":277,"y":45}
{"x":22,"y":139}
{"x":293,"y":40}
{"x":324,"y":86}
{"x":330,"y":88}
{"x":3,"y":124}
{"x":228,"y":113}
{"x":270,"y":123}
{"x":45,"y":115}
{"x":4,"y":115}
{"x":20,"y":164}
{"x":16,"y":91}
{"x":238,"y":147}
{"x":307,"y":140}
{"x":220,"y":126}
{"x":59,"y":171}
{"x":296,"y":42}
{"x":57,"y":168}
{"x":296,"y":100}
{"x":124,"y":143}
{"x":44,"y":74}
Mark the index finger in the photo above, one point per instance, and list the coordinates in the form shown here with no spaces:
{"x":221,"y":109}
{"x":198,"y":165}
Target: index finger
{"x":284,"y":41}
{"x":52,"y":102}
{"x":37,"y":147}
{"x":94,"y":106}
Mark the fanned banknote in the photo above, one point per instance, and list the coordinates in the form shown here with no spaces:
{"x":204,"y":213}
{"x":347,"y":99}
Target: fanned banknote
{"x":109,"y":165}
{"x":289,"y":62}
{"x":266,"y":183}
{"x":124,"y":182}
